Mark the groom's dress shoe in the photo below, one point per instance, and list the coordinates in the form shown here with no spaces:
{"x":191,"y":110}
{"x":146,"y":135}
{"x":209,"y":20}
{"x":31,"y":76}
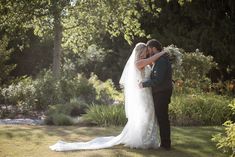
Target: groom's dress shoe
{"x":165,"y":147}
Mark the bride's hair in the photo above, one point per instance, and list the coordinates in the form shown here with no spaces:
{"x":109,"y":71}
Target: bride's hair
{"x":139,"y":48}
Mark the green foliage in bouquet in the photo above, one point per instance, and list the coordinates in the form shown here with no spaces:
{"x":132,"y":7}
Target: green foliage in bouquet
{"x":175,"y":55}
{"x":226,"y":141}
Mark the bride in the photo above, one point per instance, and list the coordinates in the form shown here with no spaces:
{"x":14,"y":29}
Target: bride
{"x":141,"y":129}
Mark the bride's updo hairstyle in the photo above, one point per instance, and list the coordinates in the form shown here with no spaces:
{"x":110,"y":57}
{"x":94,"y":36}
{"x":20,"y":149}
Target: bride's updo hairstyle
{"x":139,"y":48}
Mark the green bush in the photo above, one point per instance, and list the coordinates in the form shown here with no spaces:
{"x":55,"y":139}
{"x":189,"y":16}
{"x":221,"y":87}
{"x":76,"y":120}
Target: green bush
{"x":193,"y":72}
{"x":196,"y":65}
{"x":224,"y":87}
{"x":185,"y":110}
{"x":85,"y":90}
{"x":106,"y":92}
{"x":199,"y":109}
{"x":104,"y":115}
{"x":5,"y":56}
{"x":48,"y":90}
{"x":61,"y":119}
{"x":74,"y":85}
{"x":21,"y":94}
{"x":78,"y":107}
{"x":66,"y":111}
{"x":54,"y":111}
{"x":44,"y":90}
{"x":226,"y":141}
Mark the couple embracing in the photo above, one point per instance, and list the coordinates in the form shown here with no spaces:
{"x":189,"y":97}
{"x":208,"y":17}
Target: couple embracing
{"x":147,"y":82}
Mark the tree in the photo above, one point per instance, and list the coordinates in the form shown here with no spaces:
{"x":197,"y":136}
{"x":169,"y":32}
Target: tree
{"x":25,"y":14}
{"x":76,"y":24}
{"x":206,"y":25}
{"x":4,"y":57}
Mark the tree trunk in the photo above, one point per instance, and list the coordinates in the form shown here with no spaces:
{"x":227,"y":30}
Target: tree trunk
{"x":57,"y":45}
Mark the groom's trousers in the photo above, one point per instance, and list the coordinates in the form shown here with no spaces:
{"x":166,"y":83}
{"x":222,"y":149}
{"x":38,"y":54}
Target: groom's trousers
{"x":162,"y":100}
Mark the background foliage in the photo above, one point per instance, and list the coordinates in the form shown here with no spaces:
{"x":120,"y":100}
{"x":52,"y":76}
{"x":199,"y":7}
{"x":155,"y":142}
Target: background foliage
{"x":65,"y":58}
{"x":110,"y":28}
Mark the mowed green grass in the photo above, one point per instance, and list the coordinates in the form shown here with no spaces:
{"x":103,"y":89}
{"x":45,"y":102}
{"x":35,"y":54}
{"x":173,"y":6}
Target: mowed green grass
{"x":33,"y":141}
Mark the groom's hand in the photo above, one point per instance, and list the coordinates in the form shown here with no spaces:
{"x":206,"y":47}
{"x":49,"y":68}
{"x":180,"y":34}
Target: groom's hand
{"x":141,"y":85}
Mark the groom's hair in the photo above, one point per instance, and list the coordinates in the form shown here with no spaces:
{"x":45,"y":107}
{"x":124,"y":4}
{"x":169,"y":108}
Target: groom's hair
{"x":154,"y":43}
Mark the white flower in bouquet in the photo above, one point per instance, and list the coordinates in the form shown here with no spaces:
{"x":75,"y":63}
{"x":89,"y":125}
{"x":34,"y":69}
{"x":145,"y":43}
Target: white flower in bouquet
{"x":174,"y":54}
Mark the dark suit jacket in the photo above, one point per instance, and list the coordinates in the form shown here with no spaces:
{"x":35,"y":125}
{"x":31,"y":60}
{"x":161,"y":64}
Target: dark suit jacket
{"x":161,"y":75}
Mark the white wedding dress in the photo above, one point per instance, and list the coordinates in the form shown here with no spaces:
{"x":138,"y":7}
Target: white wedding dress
{"x":141,"y":130}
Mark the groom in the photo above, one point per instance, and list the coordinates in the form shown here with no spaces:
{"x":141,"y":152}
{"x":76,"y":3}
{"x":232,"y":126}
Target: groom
{"x":161,"y":83}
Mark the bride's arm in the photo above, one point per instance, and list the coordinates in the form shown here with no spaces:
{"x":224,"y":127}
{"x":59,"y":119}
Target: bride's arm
{"x":141,"y":63}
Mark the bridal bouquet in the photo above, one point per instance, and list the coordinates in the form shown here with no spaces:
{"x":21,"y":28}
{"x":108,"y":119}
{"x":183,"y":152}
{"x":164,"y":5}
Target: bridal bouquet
{"x":174,"y":54}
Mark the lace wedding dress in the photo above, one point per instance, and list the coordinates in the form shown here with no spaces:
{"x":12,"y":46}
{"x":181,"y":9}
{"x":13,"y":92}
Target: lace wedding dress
{"x":141,"y":130}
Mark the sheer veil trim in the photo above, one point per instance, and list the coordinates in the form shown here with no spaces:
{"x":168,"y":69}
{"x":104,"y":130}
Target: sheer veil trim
{"x":131,"y":77}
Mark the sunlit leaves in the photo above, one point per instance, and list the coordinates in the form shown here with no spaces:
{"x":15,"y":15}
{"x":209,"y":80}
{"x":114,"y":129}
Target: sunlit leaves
{"x":83,"y":21}
{"x":4,"y":57}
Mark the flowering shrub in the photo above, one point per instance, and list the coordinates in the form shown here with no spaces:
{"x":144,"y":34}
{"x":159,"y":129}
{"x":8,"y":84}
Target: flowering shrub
{"x":21,"y":94}
{"x":192,"y":74}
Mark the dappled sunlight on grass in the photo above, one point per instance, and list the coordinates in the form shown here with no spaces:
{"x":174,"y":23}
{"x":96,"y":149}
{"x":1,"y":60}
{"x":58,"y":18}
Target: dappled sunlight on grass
{"x":33,"y":141}
{"x":193,"y":139}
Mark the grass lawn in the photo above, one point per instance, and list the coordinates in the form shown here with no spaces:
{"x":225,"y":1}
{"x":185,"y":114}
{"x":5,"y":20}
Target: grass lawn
{"x":33,"y":141}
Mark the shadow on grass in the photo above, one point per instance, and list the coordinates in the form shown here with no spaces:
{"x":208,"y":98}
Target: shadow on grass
{"x":161,"y":152}
{"x":121,"y":151}
{"x":186,"y":141}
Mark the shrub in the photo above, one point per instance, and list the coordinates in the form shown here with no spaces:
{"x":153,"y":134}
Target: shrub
{"x":226,"y":141}
{"x":73,"y":86}
{"x":21,"y":94}
{"x":225,"y":88}
{"x":61,"y":119}
{"x":193,"y":72}
{"x":48,"y":90}
{"x":85,"y":90}
{"x":196,"y":65}
{"x":54,"y":111}
{"x":106,"y":92}
{"x":67,"y":111}
{"x":78,"y":107}
{"x":106,"y":115}
{"x":199,"y":109}
{"x":5,"y":55}
{"x":44,"y":90}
